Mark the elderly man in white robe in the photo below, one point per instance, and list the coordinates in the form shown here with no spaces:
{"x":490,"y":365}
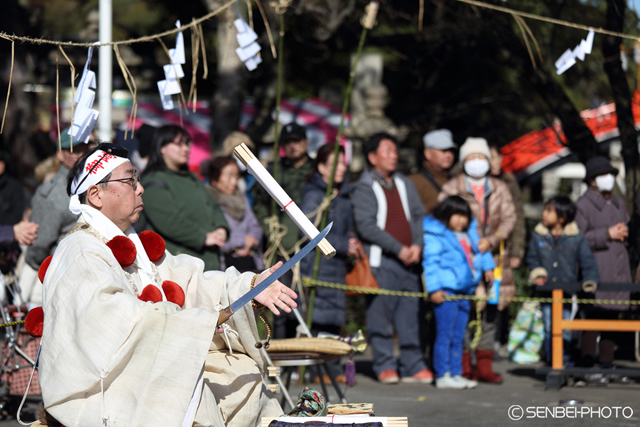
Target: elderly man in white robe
{"x":109,"y":358}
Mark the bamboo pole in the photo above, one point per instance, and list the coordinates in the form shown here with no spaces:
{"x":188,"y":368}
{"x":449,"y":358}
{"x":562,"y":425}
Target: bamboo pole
{"x":276,"y":141}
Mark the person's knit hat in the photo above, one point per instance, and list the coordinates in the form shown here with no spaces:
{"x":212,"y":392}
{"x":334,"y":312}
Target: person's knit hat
{"x":474,"y":145}
{"x":65,"y":140}
{"x":597,"y":166}
{"x":234,"y":139}
{"x":440,"y":139}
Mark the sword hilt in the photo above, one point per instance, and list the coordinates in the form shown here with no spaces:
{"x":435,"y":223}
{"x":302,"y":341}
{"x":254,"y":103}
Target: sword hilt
{"x":224,"y":315}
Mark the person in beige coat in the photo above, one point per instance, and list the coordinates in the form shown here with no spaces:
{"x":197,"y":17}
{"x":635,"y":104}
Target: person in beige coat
{"x":113,"y":355}
{"x":492,"y":207}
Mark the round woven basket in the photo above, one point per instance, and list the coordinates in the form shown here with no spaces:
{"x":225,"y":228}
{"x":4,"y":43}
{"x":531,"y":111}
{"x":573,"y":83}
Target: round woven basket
{"x":317,"y":345}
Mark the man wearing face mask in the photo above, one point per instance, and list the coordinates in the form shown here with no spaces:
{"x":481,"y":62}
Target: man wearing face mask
{"x":603,"y":219}
{"x":492,"y":207}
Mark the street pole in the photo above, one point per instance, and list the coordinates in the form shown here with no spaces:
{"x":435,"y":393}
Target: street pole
{"x":105,"y":75}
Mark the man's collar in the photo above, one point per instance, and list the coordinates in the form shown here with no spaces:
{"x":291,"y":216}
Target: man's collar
{"x":382,"y":180}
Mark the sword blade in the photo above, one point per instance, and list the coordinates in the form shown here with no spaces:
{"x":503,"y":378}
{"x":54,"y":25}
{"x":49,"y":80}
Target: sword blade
{"x":257,"y":289}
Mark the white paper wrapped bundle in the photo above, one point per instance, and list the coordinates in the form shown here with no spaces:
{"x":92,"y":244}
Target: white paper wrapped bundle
{"x":285,"y":202}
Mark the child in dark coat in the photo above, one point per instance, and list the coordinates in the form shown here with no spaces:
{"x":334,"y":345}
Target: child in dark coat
{"x":453,"y":265}
{"x":557,"y":252}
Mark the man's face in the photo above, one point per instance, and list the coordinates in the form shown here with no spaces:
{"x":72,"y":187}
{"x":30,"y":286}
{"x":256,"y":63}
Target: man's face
{"x":121,"y":203}
{"x":295,"y":149}
{"x":439,"y":159}
{"x":67,"y":158}
{"x":385,"y":159}
{"x":2,"y":167}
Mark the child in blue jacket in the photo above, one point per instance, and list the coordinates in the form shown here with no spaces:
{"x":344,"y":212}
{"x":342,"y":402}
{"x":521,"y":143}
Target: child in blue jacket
{"x":453,"y":265}
{"x":557,"y":251}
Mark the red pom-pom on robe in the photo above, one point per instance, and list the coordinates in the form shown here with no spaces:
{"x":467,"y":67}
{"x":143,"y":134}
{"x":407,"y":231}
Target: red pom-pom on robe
{"x":154,"y":245}
{"x":151,"y":293}
{"x":123,"y":249}
{"x":33,"y":322}
{"x":173,"y":292}
{"x":44,"y":267}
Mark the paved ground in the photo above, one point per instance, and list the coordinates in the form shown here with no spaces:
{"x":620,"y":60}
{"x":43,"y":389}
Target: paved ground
{"x":487,"y":405}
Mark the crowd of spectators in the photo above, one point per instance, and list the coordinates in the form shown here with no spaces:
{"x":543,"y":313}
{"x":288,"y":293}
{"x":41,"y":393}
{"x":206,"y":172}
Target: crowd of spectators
{"x":451,"y":234}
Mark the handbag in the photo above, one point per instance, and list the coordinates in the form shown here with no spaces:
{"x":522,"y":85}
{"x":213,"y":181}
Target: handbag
{"x":360,"y":274}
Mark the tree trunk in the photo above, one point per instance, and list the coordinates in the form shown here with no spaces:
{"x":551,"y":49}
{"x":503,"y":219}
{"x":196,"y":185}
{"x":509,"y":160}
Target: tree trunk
{"x":621,"y":95}
{"x":232,"y":75}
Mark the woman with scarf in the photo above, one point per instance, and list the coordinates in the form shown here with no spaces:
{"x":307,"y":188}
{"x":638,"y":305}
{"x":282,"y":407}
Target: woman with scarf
{"x":242,"y":249}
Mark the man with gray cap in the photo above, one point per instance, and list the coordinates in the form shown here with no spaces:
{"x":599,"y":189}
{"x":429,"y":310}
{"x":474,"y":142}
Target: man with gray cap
{"x":50,"y":210}
{"x":439,"y":156}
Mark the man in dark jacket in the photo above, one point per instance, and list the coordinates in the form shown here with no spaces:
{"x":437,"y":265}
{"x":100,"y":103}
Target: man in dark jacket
{"x":293,"y":171}
{"x":438,"y":158}
{"x":388,"y":216}
{"x":603,"y":219}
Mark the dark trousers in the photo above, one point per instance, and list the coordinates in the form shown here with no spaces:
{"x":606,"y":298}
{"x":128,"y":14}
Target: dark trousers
{"x":386,"y":314}
{"x":489,"y":326}
{"x":590,"y":340}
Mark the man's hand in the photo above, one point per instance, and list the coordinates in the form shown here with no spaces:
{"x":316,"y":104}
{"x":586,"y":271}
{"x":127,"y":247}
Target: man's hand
{"x":506,"y":292}
{"x":25,"y":232}
{"x":277,"y":295}
{"x":416,"y":254}
{"x":353,"y":246}
{"x":218,"y":237}
{"x":481,"y":291}
{"x":540,"y":281}
{"x":410,"y":255}
{"x":618,"y":232}
{"x":515,"y":262}
{"x":437,"y":297}
{"x":405,"y":255}
{"x":484,"y":245}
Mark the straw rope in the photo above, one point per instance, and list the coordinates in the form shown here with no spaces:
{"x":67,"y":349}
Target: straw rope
{"x":18,"y":322}
{"x":308,"y":282}
{"x":121,"y":42}
{"x":549,"y":20}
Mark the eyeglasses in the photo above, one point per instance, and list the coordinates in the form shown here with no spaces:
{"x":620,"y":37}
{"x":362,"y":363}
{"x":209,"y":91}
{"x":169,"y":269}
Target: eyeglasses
{"x":109,"y":149}
{"x":133,"y":181}
{"x":183,"y":142}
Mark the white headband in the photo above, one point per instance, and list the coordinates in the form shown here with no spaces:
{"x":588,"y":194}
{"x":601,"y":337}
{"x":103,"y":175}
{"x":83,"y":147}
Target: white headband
{"x":104,"y":164}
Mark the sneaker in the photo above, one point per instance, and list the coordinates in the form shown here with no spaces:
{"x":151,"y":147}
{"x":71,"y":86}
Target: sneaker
{"x":446,"y":381}
{"x":423,"y":377}
{"x":467,"y":383}
{"x":389,"y":376}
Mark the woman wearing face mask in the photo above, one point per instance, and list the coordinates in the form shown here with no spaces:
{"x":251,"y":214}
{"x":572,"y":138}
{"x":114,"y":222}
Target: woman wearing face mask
{"x":603,"y":219}
{"x":493,"y":209}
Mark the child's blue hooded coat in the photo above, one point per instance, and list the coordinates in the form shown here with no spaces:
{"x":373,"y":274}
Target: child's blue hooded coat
{"x":444,"y":261}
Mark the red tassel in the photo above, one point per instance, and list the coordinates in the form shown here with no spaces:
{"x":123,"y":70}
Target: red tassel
{"x":44,"y":267}
{"x":123,"y":249}
{"x":173,"y":292}
{"x":154,"y":245}
{"x":151,"y":293}
{"x":33,"y":322}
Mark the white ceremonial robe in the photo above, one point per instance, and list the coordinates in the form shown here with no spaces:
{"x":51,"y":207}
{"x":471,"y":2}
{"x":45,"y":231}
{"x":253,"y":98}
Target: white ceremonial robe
{"x":147,"y":356}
